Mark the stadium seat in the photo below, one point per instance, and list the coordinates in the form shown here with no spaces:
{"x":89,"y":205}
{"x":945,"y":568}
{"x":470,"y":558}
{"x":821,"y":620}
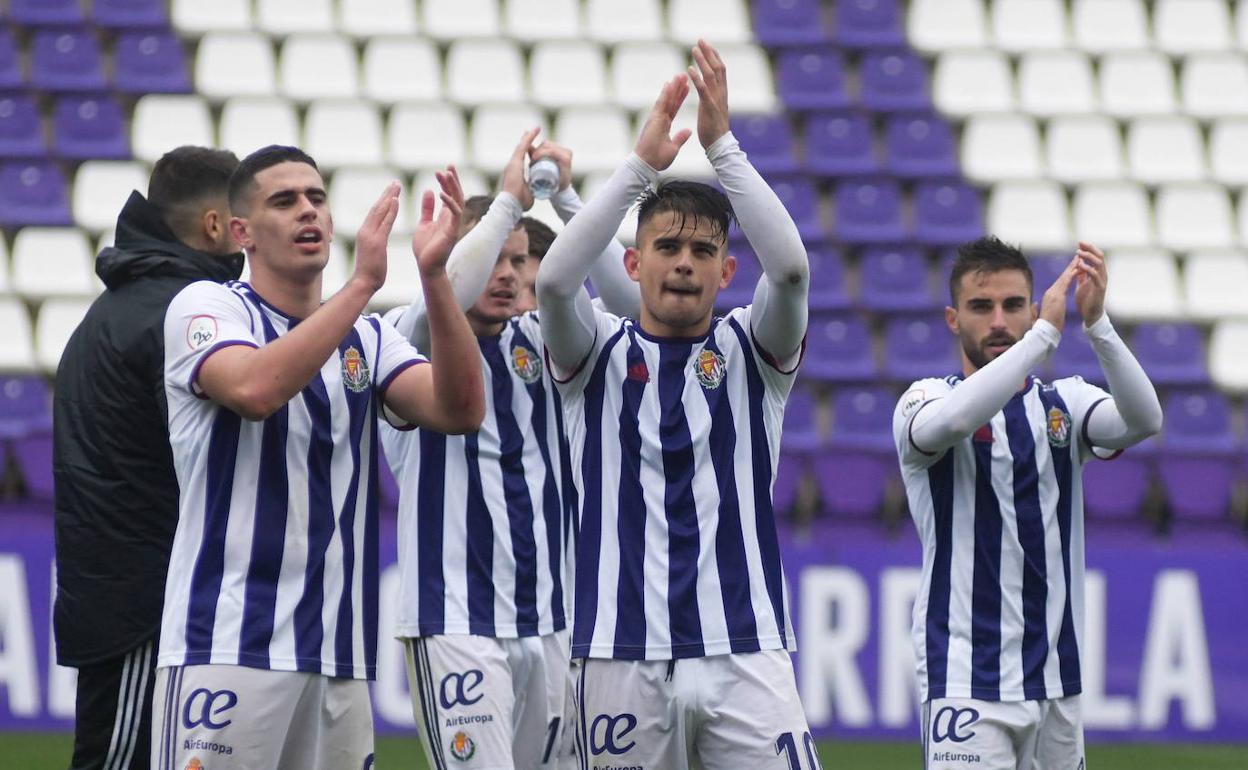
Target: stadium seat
{"x":1033,"y":214}
{"x":1228,"y":366}
{"x":598,"y":136}
{"x":1027,"y":25}
{"x":753,"y":86}
{"x":101,"y":188}
{"x":315,"y":66}
{"x":893,"y":81}
{"x":869,"y":211}
{"x":56,"y":321}
{"x":449,"y":20}
{"x":1137,"y":83}
{"x":940,"y":25}
{"x":532,"y":20}
{"x":723,"y":21}
{"x":1199,"y":448}
{"x":17,"y":349}
{"x":638,"y":71}
{"x":1194,"y":216}
{"x":402,"y":276}
{"x":416,"y":58}
{"x":1143,"y":285}
{"x":1228,"y":151}
{"x":947,"y":213}
{"x":838,"y":349}
{"x":1101,"y":26}
{"x":24,"y":406}
{"x":996,"y":147}
{"x":481,"y":71}
{"x":53,"y":262}
{"x":66,"y":59}
{"x":1165,"y":149}
{"x":249,"y":123}
{"x":1115,"y":492}
{"x":1045,"y":269}
{"x":496,"y":129}
{"x":1242,"y":212}
{"x":801,"y":200}
{"x":288,"y":17}
{"x":11,"y":74}
{"x":565,"y":73}
{"x":811,"y":79}
{"x":197,"y":17}
{"x":788,"y":22}
{"x":1113,"y":214}
{"x":1054,"y":83}
{"x":862,"y":420}
{"x":919,"y":146}
{"x":354,"y":190}
{"x":1182,"y":27}
{"x":840,"y":144}
{"x":424,"y":136}
{"x":343,"y":133}
{"x":35,"y":13}
{"x":366,"y":18}
{"x":791,"y":472}
{"x":162,"y":122}
{"x":768,"y":142}
{"x":473,"y":182}
{"x":21,"y":130}
{"x":150,"y":62}
{"x":920,"y":347}
{"x":966,"y":82}
{"x":33,"y":194}
{"x":895,"y":280}
{"x":130,"y":14}
{"x":1214,"y":285}
{"x":1075,"y":356}
{"x":827,"y":280}
{"x":610,"y":21}
{"x":869,"y":24}
{"x":1172,"y":353}
{"x":740,"y":292}
{"x":89,"y":127}
{"x":1241,"y":22}
{"x":852,"y":484}
{"x":1084,"y":148}
{"x":1214,"y":85}
{"x":231,"y":64}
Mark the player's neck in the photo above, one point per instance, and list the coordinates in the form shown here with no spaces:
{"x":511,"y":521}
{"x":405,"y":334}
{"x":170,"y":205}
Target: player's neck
{"x":653,"y":327}
{"x":298,"y":299}
{"x":483,"y":328}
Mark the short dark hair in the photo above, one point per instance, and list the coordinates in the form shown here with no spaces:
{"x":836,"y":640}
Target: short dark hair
{"x":243,"y":180}
{"x":687,"y":199}
{"x":540,"y":236}
{"x":474,"y":210}
{"x":988,"y":254}
{"x":186,"y":178}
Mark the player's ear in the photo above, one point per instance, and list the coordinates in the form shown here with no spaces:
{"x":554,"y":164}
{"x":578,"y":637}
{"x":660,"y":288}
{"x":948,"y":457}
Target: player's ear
{"x":632,"y":263}
{"x":729,"y":270}
{"x":1035,"y":312}
{"x":951,"y":319}
{"x":238,"y":231}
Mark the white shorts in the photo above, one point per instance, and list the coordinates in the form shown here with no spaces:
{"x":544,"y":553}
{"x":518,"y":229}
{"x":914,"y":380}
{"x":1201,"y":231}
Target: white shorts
{"x":219,"y":717}
{"x":722,"y":712}
{"x":568,"y":759}
{"x":489,"y":704}
{"x":967,"y":734}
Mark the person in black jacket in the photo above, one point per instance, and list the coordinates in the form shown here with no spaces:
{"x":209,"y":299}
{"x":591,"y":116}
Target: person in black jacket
{"x":116,"y":494}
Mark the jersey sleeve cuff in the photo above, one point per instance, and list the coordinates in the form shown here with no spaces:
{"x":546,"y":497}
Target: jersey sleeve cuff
{"x":773,"y":362}
{"x":192,"y":382}
{"x":1087,"y":440}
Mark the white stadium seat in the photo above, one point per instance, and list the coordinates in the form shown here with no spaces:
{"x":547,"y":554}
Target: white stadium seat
{"x":4,"y":270}
{"x":352,"y":192}
{"x":749,"y":71}
{"x":1166,"y":149}
{"x":1110,"y":25}
{"x":1028,"y":25}
{"x":691,"y":162}
{"x":1137,"y":83}
{"x":1056,"y":83}
{"x":564,"y":73}
{"x":53,"y":262}
{"x":402,"y":69}
{"x":639,"y":70}
{"x":938,"y":25}
{"x":365,"y":18}
{"x":235,"y":64}
{"x":1241,"y":22}
{"x":402,"y":275}
{"x":1228,"y":366}
{"x":102,"y":187}
{"x":56,"y":322}
{"x":1194,"y":216}
{"x":1084,"y":149}
{"x":1228,"y":151}
{"x":533,"y":20}
{"x":1213,"y":284}
{"x":1143,"y":285}
{"x":317,"y":66}
{"x":626,"y":233}
{"x":473,"y":182}
{"x":718,"y":21}
{"x":1182,"y":27}
{"x":1113,"y":215}
{"x":996,"y":147}
{"x":17,"y":348}
{"x":286,"y":17}
{"x":1242,"y":211}
{"x":164,"y":121}
{"x":600,"y":137}
{"x":197,"y":17}
{"x":496,"y":129}
{"x":343,"y":133}
{"x":480,"y":71}
{"x":611,"y":21}
{"x":455,"y":19}
{"x":1214,"y":85}
{"x":422,"y":136}
{"x":1034,"y":214}
{"x":967,"y":82}
{"x":249,"y":123}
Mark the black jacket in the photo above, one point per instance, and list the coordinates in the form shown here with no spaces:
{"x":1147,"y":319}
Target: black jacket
{"x":116,"y":492}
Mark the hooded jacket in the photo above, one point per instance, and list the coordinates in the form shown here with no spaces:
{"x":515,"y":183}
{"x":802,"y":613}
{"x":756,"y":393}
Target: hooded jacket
{"x":116,"y":493}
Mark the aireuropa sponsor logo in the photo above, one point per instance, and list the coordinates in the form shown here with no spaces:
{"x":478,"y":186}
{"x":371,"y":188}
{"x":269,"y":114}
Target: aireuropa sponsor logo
{"x":198,"y":744}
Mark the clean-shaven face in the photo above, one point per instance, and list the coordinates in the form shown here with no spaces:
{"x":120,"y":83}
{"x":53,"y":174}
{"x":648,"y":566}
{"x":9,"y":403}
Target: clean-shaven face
{"x":288,"y":224}
{"x":680,"y":264}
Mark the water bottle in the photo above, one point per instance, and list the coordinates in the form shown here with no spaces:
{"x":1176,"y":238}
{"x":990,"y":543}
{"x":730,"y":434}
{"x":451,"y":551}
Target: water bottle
{"x":543,"y":178}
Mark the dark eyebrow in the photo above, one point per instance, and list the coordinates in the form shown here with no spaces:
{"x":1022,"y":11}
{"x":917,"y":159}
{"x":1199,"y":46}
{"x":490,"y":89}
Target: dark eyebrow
{"x":291,"y":192}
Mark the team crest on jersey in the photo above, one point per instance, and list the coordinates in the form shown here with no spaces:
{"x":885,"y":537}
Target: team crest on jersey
{"x":194,"y":764}
{"x":710,"y":369}
{"x":355,"y":373}
{"x":526,"y":364}
{"x":1059,"y":428}
{"x":463,"y":747}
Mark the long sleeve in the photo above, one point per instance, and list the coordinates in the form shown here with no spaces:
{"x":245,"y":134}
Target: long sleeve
{"x":1134,"y":412}
{"x":780,"y":300}
{"x":620,"y":294}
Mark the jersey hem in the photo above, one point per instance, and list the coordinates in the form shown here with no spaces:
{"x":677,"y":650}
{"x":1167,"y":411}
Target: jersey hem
{"x":1066,"y":690}
{"x":184,"y":658}
{"x":510,"y":631}
{"x":670,"y":652}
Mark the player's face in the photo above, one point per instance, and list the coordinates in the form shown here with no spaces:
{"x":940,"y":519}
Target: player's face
{"x":499,"y":300}
{"x":527,"y":299}
{"x":680,"y":264}
{"x":288,"y":226}
{"x":994,"y":311}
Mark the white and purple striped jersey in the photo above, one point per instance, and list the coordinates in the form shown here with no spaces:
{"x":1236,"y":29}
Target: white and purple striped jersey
{"x":274,"y":562}
{"x":999,"y":613}
{"x":674,"y":447}
{"x":482,"y":519}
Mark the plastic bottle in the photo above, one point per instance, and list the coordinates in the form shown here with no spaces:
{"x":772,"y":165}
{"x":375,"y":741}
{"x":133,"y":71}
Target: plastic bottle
{"x":543,"y":178}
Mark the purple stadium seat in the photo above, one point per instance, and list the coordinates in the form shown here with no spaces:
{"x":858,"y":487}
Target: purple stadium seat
{"x":812,"y":80}
{"x":920,"y":146}
{"x":89,"y":127}
{"x":896,"y":279}
{"x":21,"y":131}
{"x":34,"y":459}
{"x":1172,"y":354}
{"x":24,"y":406}
{"x":66,"y":60}
{"x":840,"y":145}
{"x":852,"y":485}
{"x":790,"y":471}
{"x":1074,"y":356}
{"x":1045,"y":268}
{"x":801,"y":200}
{"x":150,"y":62}
{"x":741,"y":291}
{"x":33,"y":194}
{"x":863,"y":419}
{"x":919,"y":347}
{"x":1198,"y":489}
{"x":11,"y":76}
{"x":869,"y":211}
{"x":838,"y":349}
{"x":827,"y":280}
{"x":45,"y":12}
{"x":1198,"y":422}
{"x":768,"y":141}
{"x":801,"y":423}
{"x":947,"y":213}
{"x":869,"y":24}
{"x":1114,"y":492}
{"x":893,"y":81}
{"x":788,"y":22}
{"x":132,"y":14}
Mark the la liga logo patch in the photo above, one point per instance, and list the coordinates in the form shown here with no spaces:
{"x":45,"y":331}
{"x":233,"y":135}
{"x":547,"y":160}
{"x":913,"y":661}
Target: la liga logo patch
{"x":709,"y":367}
{"x":201,"y":331}
{"x":355,"y":373}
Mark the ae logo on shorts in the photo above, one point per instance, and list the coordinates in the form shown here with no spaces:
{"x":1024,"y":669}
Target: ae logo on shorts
{"x":457,"y":688}
{"x":205,"y":707}
{"x":608,"y":731}
{"x":953,"y":724}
